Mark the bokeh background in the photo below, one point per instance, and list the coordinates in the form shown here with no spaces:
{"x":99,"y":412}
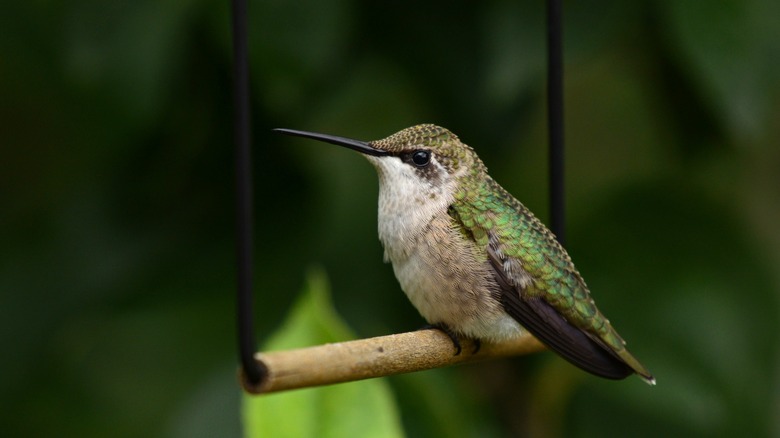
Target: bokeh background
{"x":116,"y":204}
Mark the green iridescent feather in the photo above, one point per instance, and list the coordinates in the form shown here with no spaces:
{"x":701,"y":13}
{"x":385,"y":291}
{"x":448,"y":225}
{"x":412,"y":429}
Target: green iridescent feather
{"x":487,"y":209}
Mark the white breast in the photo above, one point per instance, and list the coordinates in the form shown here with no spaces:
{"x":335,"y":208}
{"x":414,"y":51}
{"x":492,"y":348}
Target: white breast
{"x":433,"y":263}
{"x":407,"y":203}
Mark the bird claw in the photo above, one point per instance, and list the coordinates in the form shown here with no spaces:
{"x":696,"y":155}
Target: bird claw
{"x":477,"y":346}
{"x":453,"y":337}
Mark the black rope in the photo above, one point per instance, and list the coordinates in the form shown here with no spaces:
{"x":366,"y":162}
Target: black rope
{"x":244,"y":220}
{"x":555,"y":117}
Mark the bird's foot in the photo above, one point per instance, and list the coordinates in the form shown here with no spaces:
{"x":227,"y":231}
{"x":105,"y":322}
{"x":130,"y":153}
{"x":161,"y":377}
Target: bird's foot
{"x":447,"y":331}
{"x":477,"y":346}
{"x":453,"y":337}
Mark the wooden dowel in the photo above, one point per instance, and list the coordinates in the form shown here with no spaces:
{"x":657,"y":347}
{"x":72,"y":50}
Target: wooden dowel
{"x":374,"y":357}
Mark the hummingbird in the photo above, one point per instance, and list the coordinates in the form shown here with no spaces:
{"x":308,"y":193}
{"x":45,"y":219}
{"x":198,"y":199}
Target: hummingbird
{"x":473,"y":260}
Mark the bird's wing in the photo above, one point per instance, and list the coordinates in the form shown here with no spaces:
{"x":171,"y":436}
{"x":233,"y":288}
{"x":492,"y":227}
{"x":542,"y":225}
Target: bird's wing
{"x":537,"y":316}
{"x":540,"y":288}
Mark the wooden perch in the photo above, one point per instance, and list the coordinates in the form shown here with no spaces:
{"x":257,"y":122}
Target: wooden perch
{"x":374,"y":357}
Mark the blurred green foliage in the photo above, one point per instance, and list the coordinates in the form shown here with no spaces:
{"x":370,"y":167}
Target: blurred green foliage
{"x":365,"y":408}
{"x":116,"y":222}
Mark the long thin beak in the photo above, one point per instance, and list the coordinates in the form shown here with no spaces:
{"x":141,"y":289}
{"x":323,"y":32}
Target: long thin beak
{"x":357,"y":145}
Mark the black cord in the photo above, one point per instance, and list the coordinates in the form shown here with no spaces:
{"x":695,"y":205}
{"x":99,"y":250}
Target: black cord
{"x":555,"y":117}
{"x":244,"y":219}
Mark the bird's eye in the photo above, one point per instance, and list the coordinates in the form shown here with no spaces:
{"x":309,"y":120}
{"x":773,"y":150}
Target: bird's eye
{"x":421,"y":158}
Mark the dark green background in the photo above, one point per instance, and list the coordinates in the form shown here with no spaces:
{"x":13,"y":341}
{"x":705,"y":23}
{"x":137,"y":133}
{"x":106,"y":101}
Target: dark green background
{"x":116,"y":205}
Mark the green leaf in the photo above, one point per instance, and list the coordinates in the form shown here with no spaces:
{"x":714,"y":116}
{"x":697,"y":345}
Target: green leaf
{"x":365,"y":408}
